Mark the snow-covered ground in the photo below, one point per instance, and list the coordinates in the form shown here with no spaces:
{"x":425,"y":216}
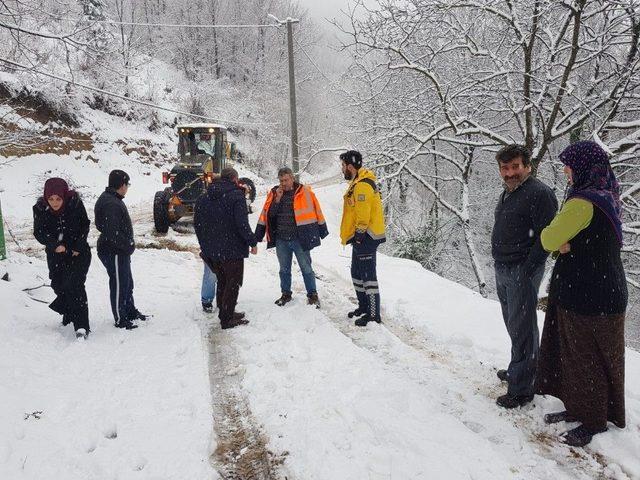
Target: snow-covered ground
{"x":121,"y":405}
{"x":410,"y":399}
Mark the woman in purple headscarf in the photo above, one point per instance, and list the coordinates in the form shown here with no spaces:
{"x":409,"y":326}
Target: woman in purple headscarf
{"x":60,"y":223}
{"x":582,"y":349}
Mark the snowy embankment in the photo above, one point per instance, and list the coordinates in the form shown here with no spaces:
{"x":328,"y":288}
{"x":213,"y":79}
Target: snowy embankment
{"x":412,"y":398}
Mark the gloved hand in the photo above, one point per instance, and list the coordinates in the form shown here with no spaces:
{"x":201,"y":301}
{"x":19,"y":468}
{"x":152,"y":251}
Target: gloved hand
{"x":359,"y":237}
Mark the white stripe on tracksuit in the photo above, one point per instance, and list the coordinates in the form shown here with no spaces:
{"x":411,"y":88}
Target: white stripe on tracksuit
{"x":117,"y":290}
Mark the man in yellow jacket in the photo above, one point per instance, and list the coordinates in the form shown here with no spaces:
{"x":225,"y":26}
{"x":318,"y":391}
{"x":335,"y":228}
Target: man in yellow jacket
{"x":363,"y":227}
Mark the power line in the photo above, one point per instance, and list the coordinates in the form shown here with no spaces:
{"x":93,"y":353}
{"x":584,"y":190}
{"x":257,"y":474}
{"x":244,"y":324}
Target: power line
{"x":176,"y":25}
{"x":127,"y":99}
{"x":331,"y":82}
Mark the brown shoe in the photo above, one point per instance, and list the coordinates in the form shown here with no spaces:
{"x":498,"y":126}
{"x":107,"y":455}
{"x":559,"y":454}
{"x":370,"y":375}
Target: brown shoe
{"x":234,"y":323}
{"x":238,"y":315}
{"x":312,"y":299}
{"x":284,"y":299}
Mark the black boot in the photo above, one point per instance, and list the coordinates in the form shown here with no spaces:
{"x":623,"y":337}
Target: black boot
{"x":558,"y":417}
{"x":139,"y":316}
{"x":128,"y":324}
{"x":234,"y":323}
{"x":580,"y":436}
{"x":502,"y":375}
{"x":358,"y":312}
{"x":207,"y":307}
{"x":513,"y":401}
{"x":362,"y":321}
{"x":284,"y":299}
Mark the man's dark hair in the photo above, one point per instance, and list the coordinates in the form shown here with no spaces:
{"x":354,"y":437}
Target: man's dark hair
{"x":511,"y":152}
{"x":285,"y":171}
{"x":352,"y":157}
{"x":117,"y":178}
{"x":229,"y":173}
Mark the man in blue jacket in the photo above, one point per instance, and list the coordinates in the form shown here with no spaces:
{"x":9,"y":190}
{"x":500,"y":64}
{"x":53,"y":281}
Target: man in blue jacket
{"x":222,"y":226}
{"x":115,"y":247}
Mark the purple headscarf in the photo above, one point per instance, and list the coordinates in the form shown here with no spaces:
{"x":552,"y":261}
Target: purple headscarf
{"x":594,"y":180}
{"x":57,"y":186}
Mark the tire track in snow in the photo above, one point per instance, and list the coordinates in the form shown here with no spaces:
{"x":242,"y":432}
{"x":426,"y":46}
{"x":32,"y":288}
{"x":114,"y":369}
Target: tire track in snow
{"x":242,"y":452}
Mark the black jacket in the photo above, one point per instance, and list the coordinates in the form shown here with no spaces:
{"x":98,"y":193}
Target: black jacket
{"x":70,"y":229}
{"x":590,"y":279}
{"x":114,"y":224}
{"x":222,"y":224}
{"x":520,"y":217}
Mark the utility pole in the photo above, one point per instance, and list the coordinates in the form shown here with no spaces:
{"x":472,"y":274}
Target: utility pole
{"x":295,"y":165}
{"x":3,"y":248}
{"x":293,"y":114}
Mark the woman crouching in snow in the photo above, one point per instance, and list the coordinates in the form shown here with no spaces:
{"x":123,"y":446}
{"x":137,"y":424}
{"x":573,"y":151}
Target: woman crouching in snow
{"x":582,"y":350}
{"x":60,"y":223}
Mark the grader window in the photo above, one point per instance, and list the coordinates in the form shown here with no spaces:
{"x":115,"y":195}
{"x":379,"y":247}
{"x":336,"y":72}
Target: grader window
{"x":205,"y":143}
{"x":197,"y":143}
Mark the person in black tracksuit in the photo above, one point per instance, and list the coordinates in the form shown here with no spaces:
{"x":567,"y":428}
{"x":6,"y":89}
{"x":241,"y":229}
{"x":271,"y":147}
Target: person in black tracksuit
{"x":222,"y":227}
{"x":115,"y":247}
{"x":60,"y":223}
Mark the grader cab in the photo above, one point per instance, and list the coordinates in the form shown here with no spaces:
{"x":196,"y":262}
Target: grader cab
{"x":203,"y":152}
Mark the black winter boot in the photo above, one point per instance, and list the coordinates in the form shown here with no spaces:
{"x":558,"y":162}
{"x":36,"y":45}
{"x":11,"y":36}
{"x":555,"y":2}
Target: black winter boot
{"x":128,"y":324}
{"x":558,"y":417}
{"x":362,"y":321}
{"x":139,"y":316}
{"x":358,"y":312}
{"x":513,"y":401}
{"x":580,"y":436}
{"x":234,"y":323}
{"x":502,"y":375}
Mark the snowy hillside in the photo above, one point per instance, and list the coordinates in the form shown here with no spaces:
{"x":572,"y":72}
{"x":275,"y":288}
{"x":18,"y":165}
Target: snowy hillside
{"x":298,"y":393}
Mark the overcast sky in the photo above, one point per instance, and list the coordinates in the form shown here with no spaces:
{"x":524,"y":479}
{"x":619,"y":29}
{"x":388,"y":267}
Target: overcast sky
{"x":321,"y":9}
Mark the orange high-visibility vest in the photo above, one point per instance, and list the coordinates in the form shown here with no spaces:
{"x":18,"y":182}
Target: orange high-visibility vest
{"x":310,"y":221}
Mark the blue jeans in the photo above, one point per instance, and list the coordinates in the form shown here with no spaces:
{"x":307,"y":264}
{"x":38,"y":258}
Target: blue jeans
{"x":285,"y":250}
{"x":518,"y":295}
{"x":209,"y":282}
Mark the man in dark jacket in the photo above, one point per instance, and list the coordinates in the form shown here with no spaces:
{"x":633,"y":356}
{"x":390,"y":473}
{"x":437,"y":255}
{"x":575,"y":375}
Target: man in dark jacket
{"x":222,"y":227}
{"x":115,"y":247}
{"x":293,"y":222}
{"x":525,"y":207}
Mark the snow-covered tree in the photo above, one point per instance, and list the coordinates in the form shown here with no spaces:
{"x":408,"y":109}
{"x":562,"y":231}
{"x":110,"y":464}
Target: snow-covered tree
{"x":453,"y":80}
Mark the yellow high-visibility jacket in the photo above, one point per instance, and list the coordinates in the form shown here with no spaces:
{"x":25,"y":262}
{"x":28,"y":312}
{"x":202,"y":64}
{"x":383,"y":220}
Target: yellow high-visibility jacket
{"x":362,"y":211}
